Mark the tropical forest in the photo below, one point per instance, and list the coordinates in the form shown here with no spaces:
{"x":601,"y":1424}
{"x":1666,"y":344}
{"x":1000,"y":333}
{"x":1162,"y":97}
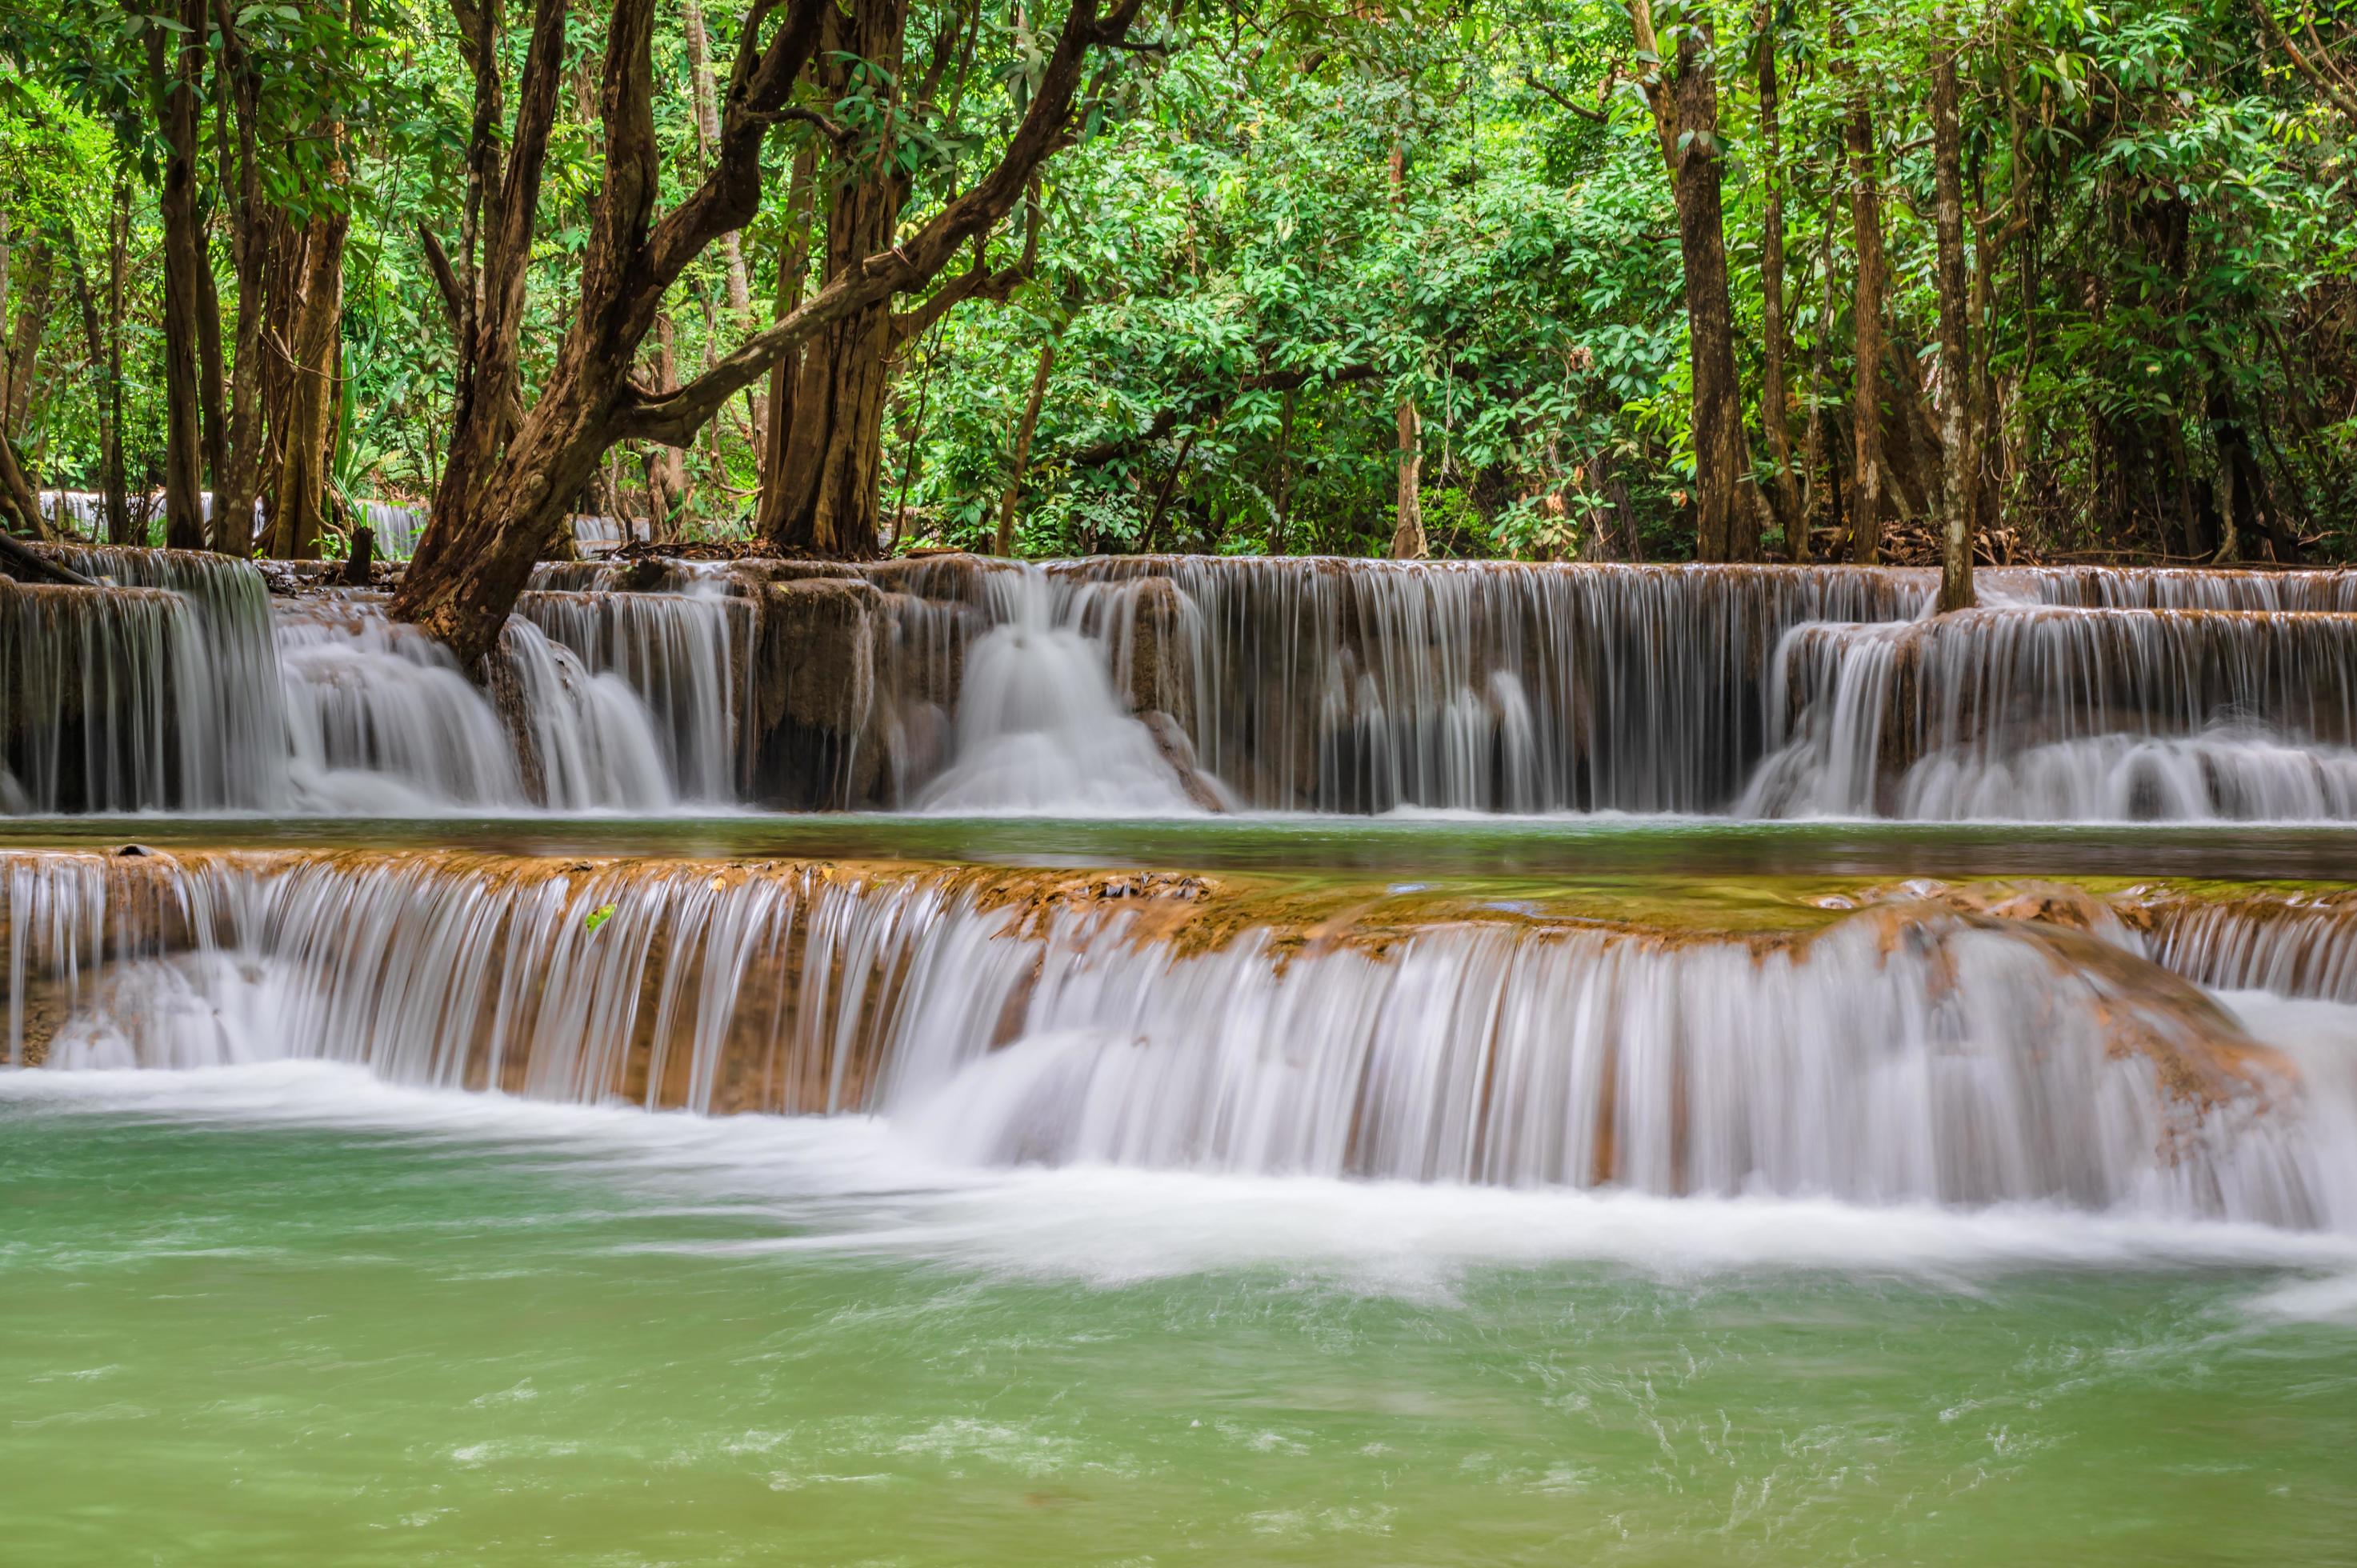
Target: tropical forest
{"x":971,"y":782}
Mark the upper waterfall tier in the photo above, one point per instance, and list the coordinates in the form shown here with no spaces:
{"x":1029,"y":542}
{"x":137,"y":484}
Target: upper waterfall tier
{"x":1943,"y":1050}
{"x":1147,"y":685}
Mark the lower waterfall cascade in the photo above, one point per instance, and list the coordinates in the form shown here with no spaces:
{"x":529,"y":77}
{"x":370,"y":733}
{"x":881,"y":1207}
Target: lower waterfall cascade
{"x":1158,"y":686}
{"x":1914,"y":1051}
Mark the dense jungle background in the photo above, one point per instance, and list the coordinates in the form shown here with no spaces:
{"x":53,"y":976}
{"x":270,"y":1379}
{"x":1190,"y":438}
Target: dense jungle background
{"x":1552,"y":281}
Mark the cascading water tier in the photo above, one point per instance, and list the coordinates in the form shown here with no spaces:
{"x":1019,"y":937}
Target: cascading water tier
{"x":1914,"y":1051}
{"x":1152,"y":686}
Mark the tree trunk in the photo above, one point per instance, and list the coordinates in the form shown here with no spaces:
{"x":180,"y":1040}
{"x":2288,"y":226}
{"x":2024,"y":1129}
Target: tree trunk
{"x":1685,"y":117}
{"x":1409,"y":543}
{"x":24,"y":335}
{"x":113,"y":475}
{"x":666,"y":466}
{"x":1959,"y":455}
{"x":176,"y":70}
{"x":20,"y":501}
{"x":237,"y":484}
{"x":105,"y":361}
{"x":1866,"y":223}
{"x":1281,"y":503}
{"x":1020,"y":461}
{"x":1818,"y":489}
{"x":211,"y":421}
{"x":831,"y":475}
{"x":1774,"y":413}
{"x":785,"y":376}
{"x":494,"y":515}
{"x":309,"y":301}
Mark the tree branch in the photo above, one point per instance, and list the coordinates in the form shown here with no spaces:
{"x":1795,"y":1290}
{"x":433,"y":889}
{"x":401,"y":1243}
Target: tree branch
{"x":674,"y":418}
{"x":1213,"y":402}
{"x":1596,"y":114}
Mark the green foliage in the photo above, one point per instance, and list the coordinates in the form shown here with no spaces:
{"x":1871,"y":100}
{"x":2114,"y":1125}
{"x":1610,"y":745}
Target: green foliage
{"x":1242,"y":291}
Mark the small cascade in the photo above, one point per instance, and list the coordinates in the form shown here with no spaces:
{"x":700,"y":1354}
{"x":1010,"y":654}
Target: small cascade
{"x":685,"y":654}
{"x":2048,"y":714}
{"x":2173,"y":588}
{"x":381,"y":720}
{"x":2296,"y":945}
{"x":1910,"y":1053}
{"x":1037,"y":726}
{"x":158,"y":691}
{"x":89,"y":716}
{"x":395,"y":530}
{"x":1367,"y":685}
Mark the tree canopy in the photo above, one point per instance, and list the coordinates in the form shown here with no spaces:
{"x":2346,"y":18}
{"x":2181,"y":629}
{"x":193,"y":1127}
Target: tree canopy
{"x":1274,"y":277}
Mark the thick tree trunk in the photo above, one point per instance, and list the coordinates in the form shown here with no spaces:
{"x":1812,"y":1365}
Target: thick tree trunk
{"x":1774,"y":411}
{"x":1019,"y":461}
{"x":494,"y":517}
{"x":785,"y":376}
{"x":831,"y":476}
{"x":177,"y":70}
{"x":1685,"y":117}
{"x":1866,"y":223}
{"x":309,"y":301}
{"x":1959,"y":442}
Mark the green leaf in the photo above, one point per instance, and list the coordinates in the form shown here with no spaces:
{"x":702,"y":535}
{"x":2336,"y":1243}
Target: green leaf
{"x":597,"y":917}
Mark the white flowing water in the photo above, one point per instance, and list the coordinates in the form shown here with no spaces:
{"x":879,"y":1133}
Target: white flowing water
{"x":1906,"y":1055}
{"x":1038,"y":728}
{"x":681,"y":654}
{"x":2054,"y":714}
{"x":1173,"y":685}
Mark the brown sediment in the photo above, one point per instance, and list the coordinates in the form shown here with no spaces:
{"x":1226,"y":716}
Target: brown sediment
{"x":793,"y":1036}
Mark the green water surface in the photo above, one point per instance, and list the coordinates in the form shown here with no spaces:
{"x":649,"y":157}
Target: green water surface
{"x":281,"y":1316}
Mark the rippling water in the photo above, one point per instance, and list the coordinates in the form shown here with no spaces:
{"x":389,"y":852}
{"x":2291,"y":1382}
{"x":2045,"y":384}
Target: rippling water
{"x":287,"y":1313}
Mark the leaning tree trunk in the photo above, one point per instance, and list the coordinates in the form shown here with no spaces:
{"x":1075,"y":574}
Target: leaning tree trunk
{"x":493,"y":516}
{"x":24,"y":335}
{"x":176,"y":71}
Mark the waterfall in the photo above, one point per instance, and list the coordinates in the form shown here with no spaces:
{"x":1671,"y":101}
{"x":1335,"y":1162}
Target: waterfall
{"x":158,"y":691}
{"x":682,"y":654}
{"x":1909,"y":1053}
{"x":2055,"y":713}
{"x":1038,"y":728}
{"x":1169,"y":684}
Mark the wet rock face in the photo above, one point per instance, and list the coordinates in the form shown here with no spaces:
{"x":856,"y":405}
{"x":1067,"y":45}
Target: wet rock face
{"x":817,"y":737}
